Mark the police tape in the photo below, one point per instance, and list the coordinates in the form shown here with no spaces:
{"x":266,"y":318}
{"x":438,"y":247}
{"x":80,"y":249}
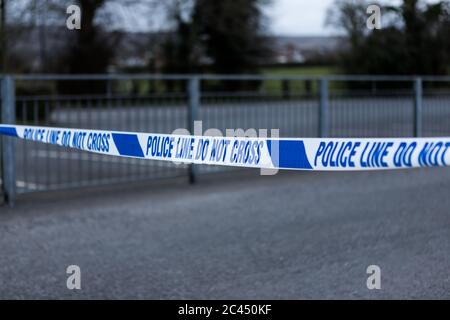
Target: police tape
{"x":325,"y":154}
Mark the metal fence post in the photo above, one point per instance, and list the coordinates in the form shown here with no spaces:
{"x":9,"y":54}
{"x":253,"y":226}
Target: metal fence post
{"x":193,"y":89}
{"x":108,"y":89}
{"x":8,"y":115}
{"x":323,"y":108}
{"x":418,"y":96}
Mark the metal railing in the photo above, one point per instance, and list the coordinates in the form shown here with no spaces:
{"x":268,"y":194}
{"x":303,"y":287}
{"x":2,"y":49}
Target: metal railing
{"x":299,"y":106}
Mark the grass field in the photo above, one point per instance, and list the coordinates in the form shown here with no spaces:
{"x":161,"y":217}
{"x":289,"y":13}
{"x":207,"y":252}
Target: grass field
{"x":304,"y":71}
{"x":276,"y":86}
{"x":141,"y":87}
{"x":272,"y":86}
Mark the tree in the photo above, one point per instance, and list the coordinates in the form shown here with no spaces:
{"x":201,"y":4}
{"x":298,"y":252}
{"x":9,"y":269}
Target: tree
{"x":178,"y":47}
{"x":413,"y":39}
{"x":225,"y":35}
{"x":91,"y":51}
{"x":3,"y":35}
{"x":231,"y":32}
{"x":349,"y":16}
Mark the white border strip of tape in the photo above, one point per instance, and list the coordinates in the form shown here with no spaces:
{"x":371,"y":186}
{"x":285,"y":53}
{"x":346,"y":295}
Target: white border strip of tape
{"x":323,"y":154}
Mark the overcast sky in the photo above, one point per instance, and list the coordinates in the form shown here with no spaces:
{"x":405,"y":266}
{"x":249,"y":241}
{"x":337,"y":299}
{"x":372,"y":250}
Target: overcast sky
{"x":298,"y":17}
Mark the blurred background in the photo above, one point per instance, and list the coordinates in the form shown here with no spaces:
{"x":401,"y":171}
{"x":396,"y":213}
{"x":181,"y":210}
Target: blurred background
{"x":307,"y":68}
{"x":241,"y":37}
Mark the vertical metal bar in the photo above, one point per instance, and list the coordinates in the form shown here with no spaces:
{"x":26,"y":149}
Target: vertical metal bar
{"x":193,"y":89}
{"x":37,"y":163}
{"x":323,"y":108}
{"x":90,"y":124}
{"x":109,"y":116}
{"x":123,"y":125}
{"x":78,"y":112}
{"x":131,"y":105}
{"x":47,"y":146}
{"x":418,"y":96}
{"x":148,"y":117}
{"x":108,"y":89}
{"x":69,"y":156}
{"x":8,"y":115}
{"x":159,"y":126}
{"x":24,"y":146}
{"x":140,"y":116}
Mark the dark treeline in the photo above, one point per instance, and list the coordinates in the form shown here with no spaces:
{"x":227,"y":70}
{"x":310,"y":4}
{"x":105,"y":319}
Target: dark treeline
{"x":200,"y":36}
{"x":414,"y":38}
{"x":205,"y":36}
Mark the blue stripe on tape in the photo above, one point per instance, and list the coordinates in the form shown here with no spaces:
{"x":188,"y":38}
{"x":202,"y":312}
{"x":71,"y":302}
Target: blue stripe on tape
{"x":9,"y":131}
{"x":291,"y":155}
{"x":128,"y":145}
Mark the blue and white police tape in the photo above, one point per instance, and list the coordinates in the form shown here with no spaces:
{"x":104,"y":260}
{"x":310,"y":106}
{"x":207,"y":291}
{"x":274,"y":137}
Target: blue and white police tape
{"x":325,"y":154}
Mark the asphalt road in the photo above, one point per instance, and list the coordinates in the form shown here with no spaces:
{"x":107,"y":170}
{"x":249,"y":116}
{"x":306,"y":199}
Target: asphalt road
{"x":294,"y":235}
{"x":356,"y":116}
